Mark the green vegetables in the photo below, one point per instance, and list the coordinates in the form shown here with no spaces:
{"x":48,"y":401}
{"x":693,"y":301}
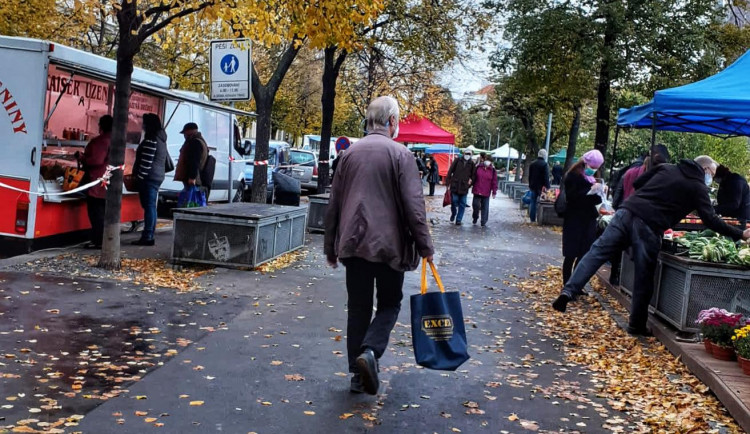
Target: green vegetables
{"x":709,"y":247}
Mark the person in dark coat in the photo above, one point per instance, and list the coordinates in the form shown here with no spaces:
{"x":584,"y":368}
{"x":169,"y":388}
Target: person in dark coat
{"x":538,"y":181}
{"x":459,"y":181}
{"x":663,"y":196}
{"x":433,"y":174}
{"x":149,"y":172}
{"x":557,"y":173}
{"x":376,"y":225}
{"x":94,"y":163}
{"x":193,"y":156}
{"x":579,"y":222}
{"x":733,"y":197}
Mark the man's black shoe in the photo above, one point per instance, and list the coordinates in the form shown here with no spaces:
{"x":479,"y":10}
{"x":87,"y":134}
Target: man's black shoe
{"x":561,"y":303}
{"x":356,"y":386}
{"x":142,"y":242}
{"x":637,"y":331}
{"x":458,"y":223}
{"x":474,"y":221}
{"x":453,"y":217}
{"x":368,"y":371}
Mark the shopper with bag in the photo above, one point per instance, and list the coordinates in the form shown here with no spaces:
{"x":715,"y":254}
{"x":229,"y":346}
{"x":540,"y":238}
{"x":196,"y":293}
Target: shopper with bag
{"x":538,"y":181}
{"x":152,"y":161}
{"x":376,"y":226}
{"x":94,"y":161}
{"x":459,"y":181}
{"x":192,"y":160}
{"x":582,"y":197}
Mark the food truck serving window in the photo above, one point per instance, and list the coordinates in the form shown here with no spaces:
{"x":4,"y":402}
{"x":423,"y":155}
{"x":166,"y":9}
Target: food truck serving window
{"x":75,"y":119}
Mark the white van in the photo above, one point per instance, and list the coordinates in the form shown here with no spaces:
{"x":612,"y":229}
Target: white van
{"x":216,"y":127}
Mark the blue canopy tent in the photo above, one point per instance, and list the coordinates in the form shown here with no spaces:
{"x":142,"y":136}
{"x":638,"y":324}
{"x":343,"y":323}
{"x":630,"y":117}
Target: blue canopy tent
{"x":718,"y":105}
{"x":442,"y":149}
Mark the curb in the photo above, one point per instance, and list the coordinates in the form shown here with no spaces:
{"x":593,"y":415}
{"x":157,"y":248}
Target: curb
{"x":696,"y":360}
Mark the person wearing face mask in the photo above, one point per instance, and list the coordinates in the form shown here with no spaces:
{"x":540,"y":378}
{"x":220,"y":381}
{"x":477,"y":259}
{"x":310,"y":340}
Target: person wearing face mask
{"x":459,"y":180}
{"x":579,"y":223}
{"x":663,"y":196}
{"x":733,"y":198}
{"x":376,"y":225}
{"x":485,"y":183}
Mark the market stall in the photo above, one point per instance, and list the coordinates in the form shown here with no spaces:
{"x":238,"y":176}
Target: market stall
{"x":444,"y":155}
{"x":696,"y":269}
{"x":416,"y":129}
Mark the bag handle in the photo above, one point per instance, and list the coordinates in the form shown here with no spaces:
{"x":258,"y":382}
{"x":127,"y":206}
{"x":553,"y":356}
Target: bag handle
{"x":434,"y":274}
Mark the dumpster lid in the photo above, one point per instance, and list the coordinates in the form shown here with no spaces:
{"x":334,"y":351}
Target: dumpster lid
{"x":253,"y":211}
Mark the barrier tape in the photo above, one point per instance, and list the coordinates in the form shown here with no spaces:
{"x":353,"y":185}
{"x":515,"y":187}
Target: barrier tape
{"x":261,"y":163}
{"x":103,"y":181}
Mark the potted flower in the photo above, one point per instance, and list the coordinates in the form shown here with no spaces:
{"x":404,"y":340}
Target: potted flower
{"x":718,"y":326}
{"x":741,"y":341}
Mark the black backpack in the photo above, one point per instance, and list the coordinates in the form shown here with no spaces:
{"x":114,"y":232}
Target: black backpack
{"x":207,"y":172}
{"x":561,"y":204}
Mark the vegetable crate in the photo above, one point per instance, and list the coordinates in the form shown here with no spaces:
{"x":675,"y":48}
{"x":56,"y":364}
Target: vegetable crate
{"x":627,"y":278}
{"x":688,"y":286}
{"x":236,"y":235}
{"x":316,"y":212}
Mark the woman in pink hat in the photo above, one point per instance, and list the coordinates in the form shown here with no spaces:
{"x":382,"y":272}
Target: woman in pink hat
{"x":579,"y":222}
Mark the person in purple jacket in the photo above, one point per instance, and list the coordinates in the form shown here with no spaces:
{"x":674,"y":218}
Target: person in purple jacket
{"x":485,"y":183}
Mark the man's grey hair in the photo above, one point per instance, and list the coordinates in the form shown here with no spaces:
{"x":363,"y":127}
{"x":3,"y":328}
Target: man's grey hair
{"x":707,"y":162}
{"x":380,"y":111}
{"x":542,"y":153}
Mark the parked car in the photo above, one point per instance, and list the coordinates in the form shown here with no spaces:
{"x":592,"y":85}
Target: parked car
{"x":304,"y":168}
{"x":278,"y":155}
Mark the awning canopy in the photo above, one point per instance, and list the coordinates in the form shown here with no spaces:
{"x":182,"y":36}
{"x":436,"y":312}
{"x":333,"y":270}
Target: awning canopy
{"x":505,"y":151}
{"x":717,"y":105}
{"x":442,"y":149}
{"x":415,"y":129}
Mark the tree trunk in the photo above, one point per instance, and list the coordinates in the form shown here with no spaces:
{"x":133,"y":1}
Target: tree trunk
{"x":331,"y":69}
{"x":601,"y":139}
{"x":573,"y":137}
{"x":263,"y":103}
{"x":532,"y":146}
{"x":110,"y":257}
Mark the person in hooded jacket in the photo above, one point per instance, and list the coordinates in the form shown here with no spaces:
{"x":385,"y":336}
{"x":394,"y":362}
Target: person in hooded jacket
{"x":433,"y":174}
{"x":733,"y":198}
{"x":485,"y":184}
{"x":149,"y":170}
{"x":664,"y":195}
{"x":579,"y":222}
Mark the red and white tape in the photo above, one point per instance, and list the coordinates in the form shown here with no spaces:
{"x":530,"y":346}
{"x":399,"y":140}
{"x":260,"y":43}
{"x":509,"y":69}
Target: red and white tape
{"x":261,"y":163}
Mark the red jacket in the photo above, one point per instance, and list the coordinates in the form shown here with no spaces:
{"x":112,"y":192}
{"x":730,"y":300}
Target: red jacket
{"x":94,"y":161}
{"x":485,"y":181}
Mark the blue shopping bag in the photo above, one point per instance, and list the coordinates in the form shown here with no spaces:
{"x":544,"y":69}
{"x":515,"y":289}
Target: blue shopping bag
{"x":437,"y":323}
{"x":191,"y":197}
{"x":527,"y":198}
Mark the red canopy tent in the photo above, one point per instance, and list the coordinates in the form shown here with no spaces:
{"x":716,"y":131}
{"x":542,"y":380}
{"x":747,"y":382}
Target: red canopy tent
{"x":416,"y":129}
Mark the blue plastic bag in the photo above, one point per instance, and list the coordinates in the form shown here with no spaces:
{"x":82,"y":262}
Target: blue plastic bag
{"x":437,"y":326}
{"x":191,"y":197}
{"x":527,"y":198}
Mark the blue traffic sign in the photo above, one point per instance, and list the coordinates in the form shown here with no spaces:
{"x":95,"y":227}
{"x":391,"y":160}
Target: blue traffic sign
{"x":229,"y":64}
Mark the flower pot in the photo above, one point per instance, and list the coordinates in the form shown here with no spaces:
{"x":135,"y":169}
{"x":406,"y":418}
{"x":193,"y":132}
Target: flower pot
{"x":707,"y":346}
{"x":744,"y":364}
{"x":722,"y":353}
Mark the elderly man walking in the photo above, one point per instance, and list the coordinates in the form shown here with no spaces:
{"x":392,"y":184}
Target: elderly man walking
{"x":459,"y":180}
{"x":376,"y":226}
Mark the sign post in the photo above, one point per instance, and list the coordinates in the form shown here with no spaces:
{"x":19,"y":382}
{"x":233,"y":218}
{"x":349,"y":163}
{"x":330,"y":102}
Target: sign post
{"x":231,"y":69}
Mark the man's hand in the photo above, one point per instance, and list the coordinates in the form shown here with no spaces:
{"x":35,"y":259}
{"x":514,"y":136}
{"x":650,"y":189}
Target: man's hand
{"x":429,"y":258}
{"x":332,"y":260}
{"x":191,"y":181}
{"x":746,"y":234}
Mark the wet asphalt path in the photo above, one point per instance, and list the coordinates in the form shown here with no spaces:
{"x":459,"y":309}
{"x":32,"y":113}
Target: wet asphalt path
{"x":267,"y":354}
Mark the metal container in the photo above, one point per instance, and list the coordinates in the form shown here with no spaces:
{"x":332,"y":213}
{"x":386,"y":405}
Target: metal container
{"x":236,"y":235}
{"x":687,"y":286}
{"x":627,"y":278}
{"x":546,"y":215}
{"x":519,"y":191}
{"x":316,"y":212}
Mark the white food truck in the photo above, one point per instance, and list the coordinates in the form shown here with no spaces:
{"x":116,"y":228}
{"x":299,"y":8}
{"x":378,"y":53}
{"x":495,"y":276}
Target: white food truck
{"x":52,"y":97}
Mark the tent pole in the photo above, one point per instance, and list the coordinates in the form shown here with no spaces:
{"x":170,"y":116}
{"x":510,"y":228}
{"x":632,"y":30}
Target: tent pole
{"x":614,"y":155}
{"x":653,"y":132}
